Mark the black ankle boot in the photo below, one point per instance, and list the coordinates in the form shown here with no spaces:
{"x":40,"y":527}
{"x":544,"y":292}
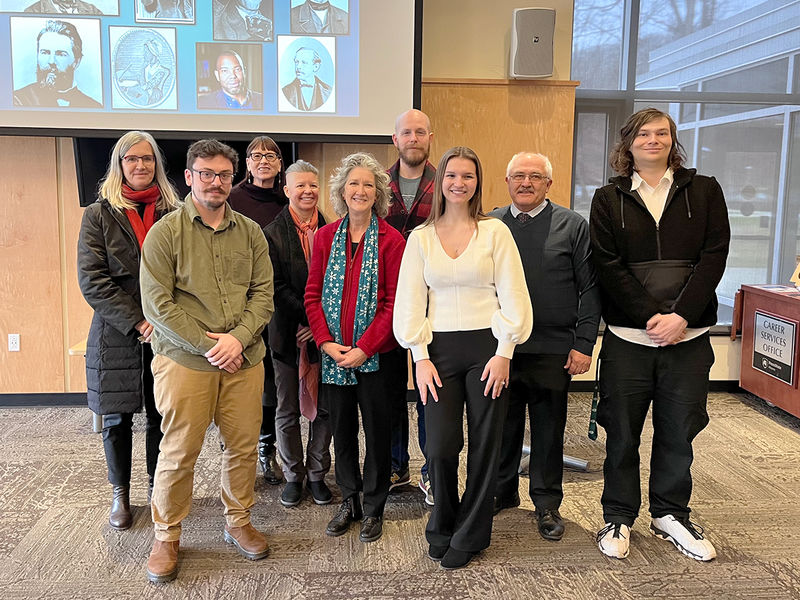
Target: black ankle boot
{"x":121,"y":517}
{"x":268,"y":462}
{"x":349,"y":511}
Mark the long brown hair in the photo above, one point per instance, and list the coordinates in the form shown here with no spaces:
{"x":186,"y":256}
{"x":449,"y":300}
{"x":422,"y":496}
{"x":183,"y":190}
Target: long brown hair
{"x":438,"y":203}
{"x":621,"y":159}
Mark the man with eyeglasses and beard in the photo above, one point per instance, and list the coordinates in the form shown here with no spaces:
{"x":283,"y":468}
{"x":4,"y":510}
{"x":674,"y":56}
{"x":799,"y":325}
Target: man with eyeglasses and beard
{"x":554,"y":245}
{"x":206,"y":281}
{"x":59,"y":50}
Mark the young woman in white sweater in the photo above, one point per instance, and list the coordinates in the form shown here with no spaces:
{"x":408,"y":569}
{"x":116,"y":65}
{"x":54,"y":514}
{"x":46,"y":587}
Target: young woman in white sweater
{"x":461,"y":307}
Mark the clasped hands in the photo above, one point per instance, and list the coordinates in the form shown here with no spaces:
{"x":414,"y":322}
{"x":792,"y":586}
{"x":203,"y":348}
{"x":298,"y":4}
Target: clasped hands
{"x":495,"y":374}
{"x":226,"y":353}
{"x":347,"y":357}
{"x":666,"y":329}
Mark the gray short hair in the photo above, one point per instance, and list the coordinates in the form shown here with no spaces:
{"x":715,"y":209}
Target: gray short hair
{"x":548,"y":168}
{"x":302,"y":166}
{"x":366,"y":161}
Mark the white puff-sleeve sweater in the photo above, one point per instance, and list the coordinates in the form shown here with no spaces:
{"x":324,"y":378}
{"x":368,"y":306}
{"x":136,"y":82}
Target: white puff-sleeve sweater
{"x":482,"y":288}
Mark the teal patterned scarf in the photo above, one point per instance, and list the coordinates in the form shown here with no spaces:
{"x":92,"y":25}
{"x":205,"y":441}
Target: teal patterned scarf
{"x":366,"y":302}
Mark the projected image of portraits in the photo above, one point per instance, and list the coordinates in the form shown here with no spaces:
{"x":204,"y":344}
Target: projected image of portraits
{"x":307,"y":74}
{"x":322,"y":17}
{"x":61,"y":7}
{"x":229,"y":77}
{"x":143,"y":68}
{"x":246,"y":20}
{"x":164,"y":11}
{"x":56,"y":62}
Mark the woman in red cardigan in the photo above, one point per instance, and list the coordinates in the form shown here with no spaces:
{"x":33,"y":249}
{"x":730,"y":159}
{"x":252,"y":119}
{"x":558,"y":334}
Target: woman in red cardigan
{"x":349,"y":301}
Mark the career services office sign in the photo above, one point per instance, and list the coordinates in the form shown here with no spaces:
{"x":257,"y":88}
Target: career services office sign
{"x":773,"y":347}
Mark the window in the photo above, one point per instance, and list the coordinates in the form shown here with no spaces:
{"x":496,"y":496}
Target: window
{"x":729,"y":74}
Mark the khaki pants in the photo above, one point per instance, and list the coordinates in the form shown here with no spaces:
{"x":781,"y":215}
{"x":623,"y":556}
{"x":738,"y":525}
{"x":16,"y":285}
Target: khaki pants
{"x":189,"y":401}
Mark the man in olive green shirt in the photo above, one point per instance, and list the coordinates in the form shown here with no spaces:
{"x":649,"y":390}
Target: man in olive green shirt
{"x":206,"y":282}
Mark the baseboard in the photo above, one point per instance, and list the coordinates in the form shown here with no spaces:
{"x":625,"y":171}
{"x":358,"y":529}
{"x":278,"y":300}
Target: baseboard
{"x":39,"y":400}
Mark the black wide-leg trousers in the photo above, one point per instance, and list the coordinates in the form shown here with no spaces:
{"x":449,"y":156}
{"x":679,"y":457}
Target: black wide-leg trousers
{"x":463,"y":523}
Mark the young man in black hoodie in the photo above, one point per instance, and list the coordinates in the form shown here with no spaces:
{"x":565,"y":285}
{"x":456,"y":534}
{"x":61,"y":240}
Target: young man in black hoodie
{"x":660,"y":237}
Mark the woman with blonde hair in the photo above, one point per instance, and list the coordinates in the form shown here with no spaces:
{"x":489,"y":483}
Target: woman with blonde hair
{"x":461,"y":307}
{"x":133,"y":195}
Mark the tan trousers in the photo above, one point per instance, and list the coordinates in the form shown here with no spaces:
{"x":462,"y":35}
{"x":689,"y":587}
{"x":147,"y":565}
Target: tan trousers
{"x":189,"y":401}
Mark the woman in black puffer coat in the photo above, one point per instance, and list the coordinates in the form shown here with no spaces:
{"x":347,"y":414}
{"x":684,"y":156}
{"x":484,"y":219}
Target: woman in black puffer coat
{"x":134,"y":194}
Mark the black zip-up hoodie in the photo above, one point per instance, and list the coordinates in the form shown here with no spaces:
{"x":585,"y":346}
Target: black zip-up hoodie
{"x":694,"y":227}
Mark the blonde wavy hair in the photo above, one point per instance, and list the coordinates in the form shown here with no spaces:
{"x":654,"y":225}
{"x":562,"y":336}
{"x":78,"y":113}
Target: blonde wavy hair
{"x":111,"y":184}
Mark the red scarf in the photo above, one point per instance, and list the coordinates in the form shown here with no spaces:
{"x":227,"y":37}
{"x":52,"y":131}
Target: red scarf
{"x":307,"y":371}
{"x":148,"y":197}
{"x":306,"y":231}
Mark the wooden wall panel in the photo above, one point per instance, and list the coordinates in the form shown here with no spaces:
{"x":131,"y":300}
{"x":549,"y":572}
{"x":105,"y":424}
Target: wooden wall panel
{"x":76,"y":312}
{"x":30,"y":267}
{"x":326,"y":157}
{"x":498,"y":118}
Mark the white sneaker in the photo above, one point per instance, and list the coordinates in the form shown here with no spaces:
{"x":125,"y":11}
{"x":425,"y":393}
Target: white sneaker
{"x":614,"y":540}
{"x":687,"y":537}
{"x":427,"y":489}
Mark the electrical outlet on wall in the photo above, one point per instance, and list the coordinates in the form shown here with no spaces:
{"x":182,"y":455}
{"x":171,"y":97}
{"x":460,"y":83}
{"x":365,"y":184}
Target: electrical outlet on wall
{"x":13,"y":342}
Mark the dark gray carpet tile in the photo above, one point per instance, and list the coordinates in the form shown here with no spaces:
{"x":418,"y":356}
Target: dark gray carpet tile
{"x":55,"y":541}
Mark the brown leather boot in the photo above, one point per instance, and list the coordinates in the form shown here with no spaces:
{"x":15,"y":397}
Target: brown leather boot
{"x":121,"y":517}
{"x":162,"y":566}
{"x":250,"y":542}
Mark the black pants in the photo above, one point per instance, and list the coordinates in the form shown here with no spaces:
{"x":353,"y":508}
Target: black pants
{"x":541,"y":383}
{"x":399,"y":404}
{"x":371,"y":397}
{"x":463,"y":523}
{"x":269,"y":402}
{"x":675,"y":379}
{"x":118,"y":433}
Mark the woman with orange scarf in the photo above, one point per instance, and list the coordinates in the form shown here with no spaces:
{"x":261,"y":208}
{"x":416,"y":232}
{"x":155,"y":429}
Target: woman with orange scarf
{"x":134,"y":194}
{"x":295,"y":357}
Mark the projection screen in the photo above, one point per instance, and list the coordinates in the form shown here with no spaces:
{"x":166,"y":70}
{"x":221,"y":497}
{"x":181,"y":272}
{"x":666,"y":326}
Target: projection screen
{"x":296,"y":67}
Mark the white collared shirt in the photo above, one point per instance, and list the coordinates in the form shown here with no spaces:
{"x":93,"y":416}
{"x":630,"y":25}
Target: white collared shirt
{"x":655,"y":198}
{"x":531,"y":213}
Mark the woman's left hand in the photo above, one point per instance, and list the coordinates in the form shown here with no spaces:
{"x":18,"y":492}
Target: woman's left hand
{"x":353,"y":358}
{"x":495,"y":374}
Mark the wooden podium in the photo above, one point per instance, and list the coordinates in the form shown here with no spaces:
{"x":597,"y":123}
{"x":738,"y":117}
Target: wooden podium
{"x":769,"y":318}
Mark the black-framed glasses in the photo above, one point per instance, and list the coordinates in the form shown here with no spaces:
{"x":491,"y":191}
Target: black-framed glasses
{"x":132,"y":159}
{"x":209,"y":176}
{"x":534,"y":177}
{"x":257,"y":156}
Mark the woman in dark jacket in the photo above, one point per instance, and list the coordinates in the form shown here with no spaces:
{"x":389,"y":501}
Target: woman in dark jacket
{"x":134,"y":194}
{"x":295,"y":357}
{"x":349,"y":300}
{"x":260,"y":197}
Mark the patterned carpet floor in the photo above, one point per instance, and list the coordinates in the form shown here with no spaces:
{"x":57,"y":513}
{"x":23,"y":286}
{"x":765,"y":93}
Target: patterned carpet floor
{"x":55,"y":541}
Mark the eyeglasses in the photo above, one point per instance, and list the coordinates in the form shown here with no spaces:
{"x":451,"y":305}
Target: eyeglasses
{"x":534,"y":177}
{"x":257,"y":156}
{"x":132,"y":159}
{"x":209,"y":176}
